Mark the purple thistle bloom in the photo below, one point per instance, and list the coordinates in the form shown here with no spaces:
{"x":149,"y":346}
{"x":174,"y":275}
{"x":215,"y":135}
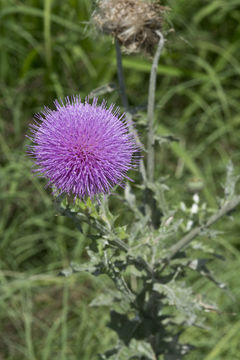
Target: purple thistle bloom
{"x":81,"y":148}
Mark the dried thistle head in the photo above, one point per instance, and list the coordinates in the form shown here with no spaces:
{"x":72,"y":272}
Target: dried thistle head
{"x":133,"y":22}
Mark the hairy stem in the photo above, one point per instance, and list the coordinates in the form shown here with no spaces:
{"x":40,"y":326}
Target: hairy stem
{"x":149,"y":200}
{"x":102,"y":230}
{"x":47,"y":31}
{"x":150,"y":109}
{"x":121,"y":76}
{"x":226,"y":209}
{"x":124,"y":100}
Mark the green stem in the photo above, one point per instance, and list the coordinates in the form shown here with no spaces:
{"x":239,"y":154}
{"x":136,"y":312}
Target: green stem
{"x":47,"y":31}
{"x":150,"y":132}
{"x":123,"y":95}
{"x":182,"y":243}
{"x":121,"y":76}
{"x":150,"y":109}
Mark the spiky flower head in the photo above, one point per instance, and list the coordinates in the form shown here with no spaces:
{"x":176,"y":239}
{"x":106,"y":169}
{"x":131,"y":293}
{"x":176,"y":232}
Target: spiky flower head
{"x":132,"y":22}
{"x":82,"y":148}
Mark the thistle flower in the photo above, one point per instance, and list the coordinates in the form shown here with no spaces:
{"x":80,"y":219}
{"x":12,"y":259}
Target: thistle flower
{"x":82,"y":148}
{"x":133,"y":22}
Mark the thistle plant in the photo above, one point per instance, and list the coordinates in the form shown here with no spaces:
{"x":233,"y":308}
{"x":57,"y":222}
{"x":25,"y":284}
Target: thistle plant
{"x":133,"y":23}
{"x":84,"y":150}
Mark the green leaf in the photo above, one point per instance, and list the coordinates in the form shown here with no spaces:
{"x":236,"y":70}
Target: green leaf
{"x":180,"y":297}
{"x":136,"y":350}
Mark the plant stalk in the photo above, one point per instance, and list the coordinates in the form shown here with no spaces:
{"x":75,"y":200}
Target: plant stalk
{"x":150,"y":109}
{"x":121,"y":81}
{"x":182,"y":243}
{"x":124,"y":99}
{"x":47,"y":31}
{"x":149,"y":200}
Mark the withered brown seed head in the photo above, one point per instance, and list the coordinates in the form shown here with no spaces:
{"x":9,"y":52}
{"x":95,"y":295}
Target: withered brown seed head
{"x":133,"y":22}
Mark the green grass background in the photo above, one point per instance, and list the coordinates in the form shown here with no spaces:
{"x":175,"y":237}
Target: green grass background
{"x":49,"y":50}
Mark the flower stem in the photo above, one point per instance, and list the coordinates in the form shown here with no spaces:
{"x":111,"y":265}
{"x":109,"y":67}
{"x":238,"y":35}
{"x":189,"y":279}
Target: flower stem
{"x":121,"y":76}
{"x":182,"y":243}
{"x":150,"y":131}
{"x":47,"y":31}
{"x":150,"y":109}
{"x":124,"y":100}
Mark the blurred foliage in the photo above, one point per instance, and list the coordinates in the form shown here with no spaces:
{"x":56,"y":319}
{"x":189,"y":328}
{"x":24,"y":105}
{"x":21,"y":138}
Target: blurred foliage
{"x":48,"y":49}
